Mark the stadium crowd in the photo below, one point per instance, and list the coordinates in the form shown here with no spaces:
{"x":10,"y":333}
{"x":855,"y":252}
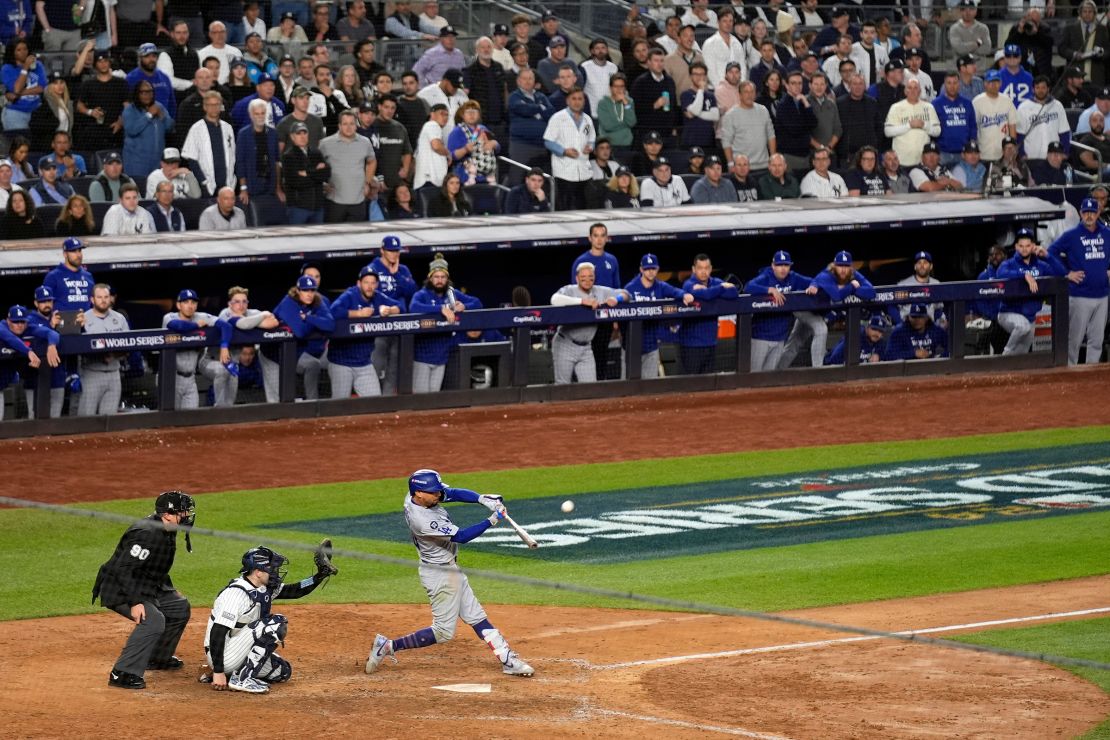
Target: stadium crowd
{"x":177,"y":115}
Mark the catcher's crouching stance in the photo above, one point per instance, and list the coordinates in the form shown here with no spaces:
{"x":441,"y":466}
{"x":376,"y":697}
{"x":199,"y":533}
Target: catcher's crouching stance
{"x":242,"y":634}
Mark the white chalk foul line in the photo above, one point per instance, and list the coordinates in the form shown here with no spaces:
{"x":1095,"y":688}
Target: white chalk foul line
{"x":839,"y":640}
{"x":689,"y":725}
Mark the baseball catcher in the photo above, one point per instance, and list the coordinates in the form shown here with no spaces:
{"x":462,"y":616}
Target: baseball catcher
{"x":242,"y":632}
{"x":135,"y":583}
{"x":437,"y":540}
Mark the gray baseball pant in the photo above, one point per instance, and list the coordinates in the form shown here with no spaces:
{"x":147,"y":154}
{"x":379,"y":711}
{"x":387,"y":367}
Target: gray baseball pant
{"x":363,"y":379}
{"x":1021,"y":333}
{"x":271,"y":376}
{"x":57,"y":398}
{"x":386,"y":357}
{"x":807,"y":324}
{"x":1086,"y":318}
{"x":571,"y":359}
{"x":649,"y":364}
{"x":100,"y":392}
{"x":427,"y":378}
{"x":310,"y":367}
{"x":155,"y":639}
{"x":765,"y":355}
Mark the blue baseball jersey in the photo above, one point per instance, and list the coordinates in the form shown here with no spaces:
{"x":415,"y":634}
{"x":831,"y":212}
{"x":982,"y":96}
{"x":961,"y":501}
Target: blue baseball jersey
{"x":356,"y":353}
{"x":57,"y":374}
{"x":606,"y":269}
{"x":866,"y":349}
{"x":957,"y":123}
{"x":659,"y":291}
{"x":703,"y":332}
{"x":904,"y":342}
{"x":72,"y":290}
{"x":1018,"y":86}
{"x":827,"y":284}
{"x":1085,"y":250}
{"x":399,"y":285}
{"x":303,"y":320}
{"x":774,"y":327}
{"x":986,"y":308}
{"x":434,"y":349}
{"x":1016,"y":267}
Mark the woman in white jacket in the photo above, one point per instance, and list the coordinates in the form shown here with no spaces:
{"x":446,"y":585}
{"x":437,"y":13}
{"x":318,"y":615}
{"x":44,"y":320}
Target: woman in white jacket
{"x":201,"y":146}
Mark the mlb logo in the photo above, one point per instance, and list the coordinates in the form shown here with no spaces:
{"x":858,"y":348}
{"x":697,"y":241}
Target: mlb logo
{"x":98,"y":344}
{"x":358,"y":329}
{"x":603,"y":313}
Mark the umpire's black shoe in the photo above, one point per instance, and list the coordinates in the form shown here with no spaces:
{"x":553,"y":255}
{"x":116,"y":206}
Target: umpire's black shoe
{"x":122,"y":680}
{"x":170,"y":664}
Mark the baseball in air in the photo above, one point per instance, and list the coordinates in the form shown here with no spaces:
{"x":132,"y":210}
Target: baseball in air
{"x":568,"y":506}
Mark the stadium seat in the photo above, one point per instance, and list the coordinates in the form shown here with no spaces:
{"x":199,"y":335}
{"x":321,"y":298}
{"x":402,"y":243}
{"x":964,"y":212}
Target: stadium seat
{"x":191,"y":208}
{"x":679,"y":159}
{"x":140,"y":183}
{"x":424,"y":197}
{"x":99,"y":209}
{"x":81,"y":185}
{"x":689,"y":178}
{"x":486,"y":199}
{"x":48,"y":214}
{"x":266,"y":210}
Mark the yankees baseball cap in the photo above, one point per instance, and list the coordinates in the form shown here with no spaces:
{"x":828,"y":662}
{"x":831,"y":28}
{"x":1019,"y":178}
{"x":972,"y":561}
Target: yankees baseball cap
{"x":711,"y":160}
{"x":623,"y":171}
{"x":147,"y":48}
{"x":548,"y":15}
{"x":43,"y":293}
{"x":288,"y":16}
{"x":1103,"y":93}
{"x":733,"y":65}
{"x":919,"y":309}
{"x":237,"y":62}
{"x":500,"y":30}
{"x":923,"y":255}
{"x":843,"y":258}
{"x":47,"y":163}
{"x":697,"y":151}
{"x":930,"y":148}
{"x":992,"y":75}
{"x":838,"y":11}
{"x":366,"y":106}
{"x":454,"y":76}
{"x":649,"y":261}
{"x":391,"y":244}
{"x":782,"y":257}
{"x":966,"y":59}
{"x":171,"y":154}
{"x":1073,"y":73}
{"x":1008,"y":141}
{"x":187,"y":295}
{"x":1025,"y":233}
{"x":556,"y":41}
{"x":298,"y":128}
{"x":913,"y":51}
{"x":967,"y":3}
{"x":287,"y":58}
{"x":307,"y":282}
{"x":447,"y":31}
{"x":660,"y":162}
{"x":112,"y":157}
{"x":1012,"y":50}
{"x":101,"y":54}
{"x":18,"y":314}
{"x":893,"y":64}
{"x":1089,"y":205}
{"x":73,"y":244}
{"x":876,"y":322}
{"x":1055,"y":148}
{"x":971,"y":146}
{"x":653,"y":137}
{"x":252,"y":34}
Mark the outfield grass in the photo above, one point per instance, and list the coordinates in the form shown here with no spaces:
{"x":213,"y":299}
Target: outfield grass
{"x":52,"y":559}
{"x":1088,"y":639}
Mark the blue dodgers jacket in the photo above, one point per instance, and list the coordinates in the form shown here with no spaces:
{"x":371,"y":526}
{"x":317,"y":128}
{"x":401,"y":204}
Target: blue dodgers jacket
{"x":904,"y":342}
{"x":1086,"y":251}
{"x":774,"y":327}
{"x":659,"y":291}
{"x":434,"y":349}
{"x":703,"y":332}
{"x":1016,"y":267}
{"x":356,"y":353}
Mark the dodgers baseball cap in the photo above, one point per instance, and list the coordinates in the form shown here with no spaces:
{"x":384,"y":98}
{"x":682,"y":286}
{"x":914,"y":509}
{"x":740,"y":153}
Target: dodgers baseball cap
{"x":366,"y":270}
{"x":264,"y":77}
{"x":187,"y":295}
{"x":72,"y":244}
{"x":649,"y":261}
{"x":782,"y":257}
{"x":992,"y":75}
{"x":1089,"y":205}
{"x":876,"y":322}
{"x":1012,"y":50}
{"x":919,"y":309}
{"x":43,"y":293}
{"x":307,"y":282}
{"x":18,"y":313}
{"x":843,"y":258}
{"x":1025,"y":233}
{"x":147,"y":48}
{"x":923,"y":255}
{"x":391,"y":243}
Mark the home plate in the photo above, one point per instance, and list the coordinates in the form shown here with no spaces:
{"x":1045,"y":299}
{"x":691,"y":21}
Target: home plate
{"x":466,"y":688}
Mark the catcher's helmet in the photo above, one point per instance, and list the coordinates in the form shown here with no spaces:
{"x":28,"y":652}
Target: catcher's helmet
{"x":426,"y":480}
{"x":176,"y":502}
{"x":266,"y":560}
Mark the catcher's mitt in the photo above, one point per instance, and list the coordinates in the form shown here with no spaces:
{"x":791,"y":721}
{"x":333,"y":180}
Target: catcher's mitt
{"x":322,"y":557}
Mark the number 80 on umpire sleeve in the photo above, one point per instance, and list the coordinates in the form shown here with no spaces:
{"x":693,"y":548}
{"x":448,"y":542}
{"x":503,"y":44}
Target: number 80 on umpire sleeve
{"x":137,"y":551}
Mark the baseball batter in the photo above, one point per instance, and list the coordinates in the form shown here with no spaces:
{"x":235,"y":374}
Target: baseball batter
{"x":193,"y":361}
{"x":437,"y":541}
{"x":243,"y":634}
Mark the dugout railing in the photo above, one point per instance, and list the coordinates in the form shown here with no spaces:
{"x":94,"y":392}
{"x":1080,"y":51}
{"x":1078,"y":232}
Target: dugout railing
{"x":513,"y":357}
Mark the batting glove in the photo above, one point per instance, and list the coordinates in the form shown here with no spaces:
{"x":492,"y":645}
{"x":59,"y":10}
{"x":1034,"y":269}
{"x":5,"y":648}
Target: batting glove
{"x":491,"y":502}
{"x":495,"y":517}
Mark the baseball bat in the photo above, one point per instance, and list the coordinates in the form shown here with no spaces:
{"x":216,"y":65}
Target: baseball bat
{"x":524,"y":536}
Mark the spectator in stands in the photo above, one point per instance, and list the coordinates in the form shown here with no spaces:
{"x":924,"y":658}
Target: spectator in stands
{"x":449,"y":200}
{"x":166,"y":215}
{"x":662,"y":188}
{"x":298,"y":113}
{"x":223,"y":215}
{"x":219,"y":48}
{"x":887,"y":92}
{"x":821,"y":182}
{"x":616,"y":113}
{"x":596,"y":73}
{"x":1035,"y":42}
{"x":289,"y":36}
{"x":255,"y":59}
{"x":841,"y":53}
{"x":148,"y":71}
{"x":747,"y":129}
{"x":678,"y":60}
{"x":447,"y":91}
{"x":321,"y":28}
{"x":256,"y":156}
{"x":699,"y":111}
{"x":145,"y":124}
{"x":694,"y":164}
{"x":747,"y":187}
{"x":969,"y":35}
{"x":859,"y":119}
{"x":636,"y":63}
{"x":106,"y":187}
{"x":125,"y":217}
{"x":1017,"y":82}
{"x":251,"y":22}
{"x":434,"y":62}
{"x":100,"y":102}
{"x":347,"y":84}
{"x":404,"y":24}
{"x":529,"y":197}
{"x":401,"y":203}
{"x":430,"y":20}
{"x":970,"y":171}
{"x":866,"y":178}
{"x":24,"y":80}
{"x":957,"y":120}
{"x":839,"y":25}
{"x":265,"y":89}
{"x":602,"y":164}
{"x":548,"y":69}
{"x":50,"y":189}
{"x":1011,"y":170}
{"x":76,"y":218}
{"x":723,"y":47}
{"x":183,"y":182}
{"x":18,"y":152}
{"x":623,"y":190}
{"x":995,"y":116}
{"x":210,"y":144}
{"x":431,"y":150}
{"x":971,"y":84}
{"x":179,"y":62}
{"x":393,"y":151}
{"x":56,"y":115}
{"x":1085,"y":43}
{"x":304,"y":173}
{"x":929,"y":175}
{"x":353,"y":167}
{"x":1054,"y":169}
{"x":485,"y":82}
{"x":570,"y":136}
{"x":656,"y":101}
{"x":6,"y":185}
{"x":794,"y":123}
{"x":768,"y":62}
{"x":472,"y":147}
{"x":365,"y":64}
{"x":20,"y":220}
{"x":59,"y":30}
{"x":69,"y":164}
{"x":412,"y":110}
{"x":771,"y":92}
{"x":538,"y":44}
{"x":870,"y":58}
{"x":500,"y":41}
{"x":698,"y":14}
{"x":828,"y":131}
{"x":191,"y":108}
{"x":1101,"y":104}
{"x":713,"y":187}
{"x":672,"y":31}
{"x":1071,"y":90}
{"x":521,"y":27}
{"x":778,"y":183}
{"x":1041,"y":121}
{"x":911,"y":124}
{"x":913,"y":70}
{"x":529,"y":113}
{"x":643,"y":161}
{"x":1096,"y":138}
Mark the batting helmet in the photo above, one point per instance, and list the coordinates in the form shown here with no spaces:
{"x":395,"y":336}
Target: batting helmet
{"x":426,"y":480}
{"x":176,"y":502}
{"x":267,"y":561}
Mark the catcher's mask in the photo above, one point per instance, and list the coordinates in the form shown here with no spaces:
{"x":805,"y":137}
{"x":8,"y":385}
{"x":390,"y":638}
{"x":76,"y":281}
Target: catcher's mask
{"x":268,"y":561}
{"x":178,"y":502}
{"x":427,"y":481}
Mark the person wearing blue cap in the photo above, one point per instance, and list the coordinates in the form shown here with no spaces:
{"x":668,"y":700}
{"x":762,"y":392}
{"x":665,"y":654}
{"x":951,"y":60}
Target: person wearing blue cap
{"x":1017,"y":82}
{"x":349,"y":363}
{"x":309,"y":317}
{"x":872,"y":344}
{"x":275,"y":110}
{"x":70,"y":283}
{"x":838,"y":282}
{"x":647,"y":287}
{"x":148,"y":71}
{"x":922,"y":275}
{"x":1085,"y":250}
{"x":918,"y":338}
{"x":44,"y":315}
{"x":1034,"y":39}
{"x":995,"y":117}
{"x":13,"y":331}
{"x":769,"y":330}
{"x":189,"y":362}
{"x":1016,"y":315}
{"x":394,"y":281}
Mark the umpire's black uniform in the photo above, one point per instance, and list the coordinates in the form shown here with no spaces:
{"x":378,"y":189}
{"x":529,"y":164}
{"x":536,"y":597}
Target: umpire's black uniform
{"x":139,"y":573}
